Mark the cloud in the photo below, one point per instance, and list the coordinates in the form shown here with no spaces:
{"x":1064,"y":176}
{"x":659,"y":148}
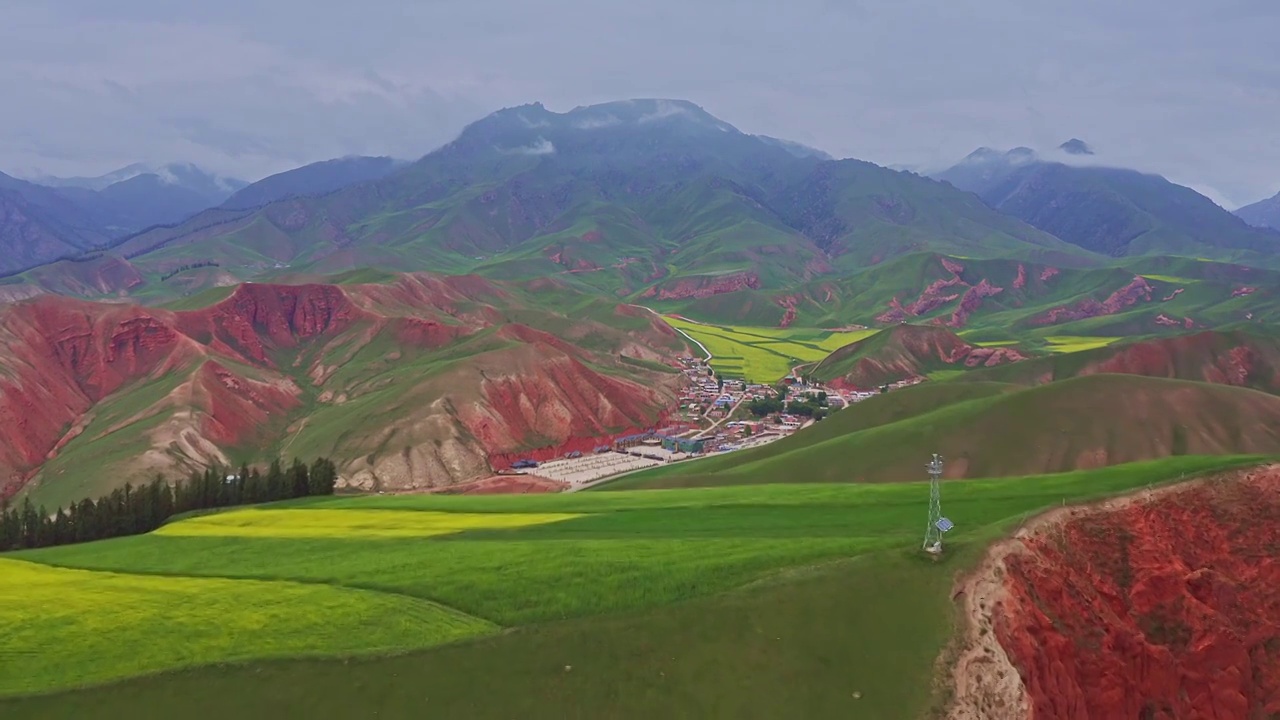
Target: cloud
{"x":663,"y":109}
{"x":1183,"y":88}
{"x":541,"y":147}
{"x":597,"y":122}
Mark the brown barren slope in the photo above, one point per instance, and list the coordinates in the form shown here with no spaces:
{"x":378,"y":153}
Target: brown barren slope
{"x":1162,"y":605}
{"x":904,"y":352}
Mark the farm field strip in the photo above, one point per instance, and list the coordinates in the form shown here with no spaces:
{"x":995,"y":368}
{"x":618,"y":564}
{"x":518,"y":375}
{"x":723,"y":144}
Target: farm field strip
{"x":763,"y":354}
{"x":321,"y":523}
{"x":64,"y":628}
{"x":1074,"y":343}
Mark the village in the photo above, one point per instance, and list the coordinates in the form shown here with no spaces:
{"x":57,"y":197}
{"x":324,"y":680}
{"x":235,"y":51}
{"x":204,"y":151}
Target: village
{"x":716,"y":415}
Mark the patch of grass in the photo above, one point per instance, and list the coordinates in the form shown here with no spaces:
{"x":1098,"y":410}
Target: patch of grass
{"x":799,"y":646}
{"x":1170,"y":279}
{"x":313,"y":523}
{"x":67,"y":628}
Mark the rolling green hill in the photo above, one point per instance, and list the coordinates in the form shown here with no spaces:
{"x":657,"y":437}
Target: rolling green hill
{"x":903,"y":352}
{"x":1084,"y":422}
{"x":1248,"y":357}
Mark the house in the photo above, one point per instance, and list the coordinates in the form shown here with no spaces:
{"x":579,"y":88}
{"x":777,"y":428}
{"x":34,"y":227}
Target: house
{"x":684,"y":445}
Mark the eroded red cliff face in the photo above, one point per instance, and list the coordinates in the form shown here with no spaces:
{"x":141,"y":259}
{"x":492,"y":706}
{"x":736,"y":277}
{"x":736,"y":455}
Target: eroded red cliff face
{"x":60,"y":356}
{"x":259,"y":318}
{"x":238,"y":371}
{"x":1163,"y":608}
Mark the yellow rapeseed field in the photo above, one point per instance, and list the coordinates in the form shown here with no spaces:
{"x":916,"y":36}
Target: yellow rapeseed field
{"x":304,"y":523}
{"x":1076,"y":343}
{"x":762,"y":354}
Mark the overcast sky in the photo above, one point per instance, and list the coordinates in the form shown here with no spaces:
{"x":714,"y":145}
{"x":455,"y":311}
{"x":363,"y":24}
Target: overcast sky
{"x":1187,"y":88}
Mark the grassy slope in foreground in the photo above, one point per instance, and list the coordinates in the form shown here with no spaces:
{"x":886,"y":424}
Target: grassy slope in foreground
{"x":64,"y":628}
{"x":1081,"y":422}
{"x":798,"y":644}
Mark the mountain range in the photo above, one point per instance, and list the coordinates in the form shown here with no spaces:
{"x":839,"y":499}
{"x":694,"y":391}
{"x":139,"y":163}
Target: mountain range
{"x":64,"y":217}
{"x":1111,"y":211}
{"x":427,"y":321}
{"x":1263,"y":214}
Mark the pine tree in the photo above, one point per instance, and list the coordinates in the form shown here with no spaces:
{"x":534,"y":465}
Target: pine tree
{"x":298,"y":479}
{"x":30,"y":524}
{"x":10,"y":530}
{"x":275,"y":482}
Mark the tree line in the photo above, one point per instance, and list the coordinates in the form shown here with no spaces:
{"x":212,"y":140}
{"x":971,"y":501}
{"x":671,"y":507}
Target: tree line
{"x":135,"y":510}
{"x":188,"y":266}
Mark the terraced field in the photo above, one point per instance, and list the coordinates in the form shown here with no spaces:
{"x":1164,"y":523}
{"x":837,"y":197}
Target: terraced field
{"x":758,"y":601}
{"x":762,"y":354}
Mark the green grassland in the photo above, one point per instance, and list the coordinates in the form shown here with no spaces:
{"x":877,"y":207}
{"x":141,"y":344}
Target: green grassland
{"x":761,"y":354}
{"x":997,"y":430}
{"x":752,"y":601}
{"x":64,"y":628}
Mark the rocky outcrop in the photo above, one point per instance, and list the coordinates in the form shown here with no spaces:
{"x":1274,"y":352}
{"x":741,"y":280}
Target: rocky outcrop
{"x":1167,"y":321}
{"x":259,"y":318}
{"x":942,"y":292}
{"x":703,"y":286}
{"x":992,"y":356}
{"x":1165,"y":605}
{"x":1138,"y":290}
{"x":971,"y":301}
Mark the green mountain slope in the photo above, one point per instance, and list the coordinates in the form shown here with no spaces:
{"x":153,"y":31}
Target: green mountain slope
{"x":1079,"y":423}
{"x":651,"y":199}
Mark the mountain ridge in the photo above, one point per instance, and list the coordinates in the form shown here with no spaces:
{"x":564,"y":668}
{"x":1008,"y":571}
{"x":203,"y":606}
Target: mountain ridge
{"x":1112,"y":211}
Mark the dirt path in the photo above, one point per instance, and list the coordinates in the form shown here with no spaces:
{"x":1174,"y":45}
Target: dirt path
{"x":301,"y":426}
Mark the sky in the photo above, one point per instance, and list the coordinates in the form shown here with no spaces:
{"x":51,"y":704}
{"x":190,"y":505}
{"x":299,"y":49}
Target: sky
{"x":246,"y":88}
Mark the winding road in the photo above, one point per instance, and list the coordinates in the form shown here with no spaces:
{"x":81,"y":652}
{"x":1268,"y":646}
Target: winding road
{"x":687,"y":336}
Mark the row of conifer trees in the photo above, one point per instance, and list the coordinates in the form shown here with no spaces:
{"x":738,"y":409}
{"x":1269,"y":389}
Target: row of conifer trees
{"x":134,"y":510}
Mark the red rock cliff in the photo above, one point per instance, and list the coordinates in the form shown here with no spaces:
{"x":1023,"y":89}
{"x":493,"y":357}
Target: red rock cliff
{"x":1161,"y":609}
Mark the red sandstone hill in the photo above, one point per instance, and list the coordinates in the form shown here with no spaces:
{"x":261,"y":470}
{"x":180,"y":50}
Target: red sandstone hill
{"x":421,"y":382}
{"x":1157,"y":607}
{"x":1244,"y":358}
{"x":903,"y":352}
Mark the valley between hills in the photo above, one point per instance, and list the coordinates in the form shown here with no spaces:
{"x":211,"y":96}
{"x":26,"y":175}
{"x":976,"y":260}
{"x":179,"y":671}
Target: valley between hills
{"x":631,"y":409}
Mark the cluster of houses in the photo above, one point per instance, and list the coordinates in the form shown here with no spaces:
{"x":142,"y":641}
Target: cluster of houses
{"x":707,"y":398}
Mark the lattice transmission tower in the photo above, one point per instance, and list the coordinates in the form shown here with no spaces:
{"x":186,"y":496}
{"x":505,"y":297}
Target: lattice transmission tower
{"x":938,"y":525}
